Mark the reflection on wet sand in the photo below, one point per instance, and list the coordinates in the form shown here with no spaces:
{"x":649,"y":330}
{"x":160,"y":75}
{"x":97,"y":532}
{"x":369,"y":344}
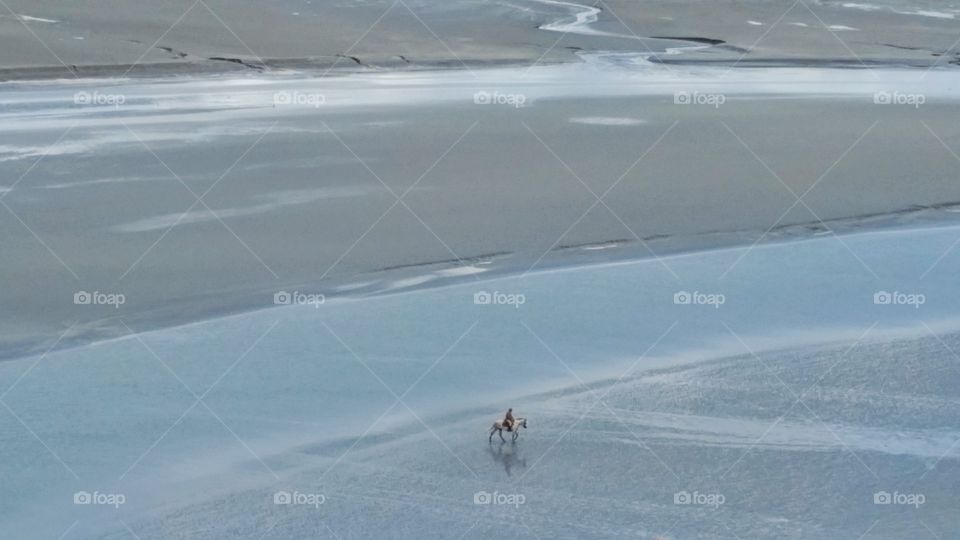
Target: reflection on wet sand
{"x":508,"y":455}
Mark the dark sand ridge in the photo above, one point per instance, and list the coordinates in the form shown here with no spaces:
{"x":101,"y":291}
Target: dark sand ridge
{"x":112,"y":38}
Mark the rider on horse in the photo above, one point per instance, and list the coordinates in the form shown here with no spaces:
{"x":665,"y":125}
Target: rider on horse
{"x":508,"y":420}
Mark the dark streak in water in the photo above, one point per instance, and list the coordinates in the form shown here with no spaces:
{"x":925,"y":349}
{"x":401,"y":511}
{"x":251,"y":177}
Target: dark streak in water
{"x":358,"y":61}
{"x":904,"y":47}
{"x":171,"y":50}
{"x":703,"y":40}
{"x":239,"y":61}
{"x":454,"y":262}
{"x":592,"y":244}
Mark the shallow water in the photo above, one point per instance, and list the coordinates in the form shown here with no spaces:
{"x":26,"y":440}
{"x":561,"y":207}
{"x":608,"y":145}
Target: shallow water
{"x":287,"y":391}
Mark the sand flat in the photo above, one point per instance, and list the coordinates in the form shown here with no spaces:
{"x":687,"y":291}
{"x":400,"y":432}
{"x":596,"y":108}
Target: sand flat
{"x":219,"y":36}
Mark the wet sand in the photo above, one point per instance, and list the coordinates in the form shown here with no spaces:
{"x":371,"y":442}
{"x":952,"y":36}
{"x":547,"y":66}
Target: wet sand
{"x":112,"y":205}
{"x":487,"y":180}
{"x":47,"y":38}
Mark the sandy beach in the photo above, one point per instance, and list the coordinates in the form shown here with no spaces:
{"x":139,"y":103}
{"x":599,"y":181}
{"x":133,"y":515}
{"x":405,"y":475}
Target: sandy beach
{"x":270,"y":270}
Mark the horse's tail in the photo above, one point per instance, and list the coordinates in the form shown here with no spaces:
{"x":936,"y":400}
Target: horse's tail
{"x":493,"y":427}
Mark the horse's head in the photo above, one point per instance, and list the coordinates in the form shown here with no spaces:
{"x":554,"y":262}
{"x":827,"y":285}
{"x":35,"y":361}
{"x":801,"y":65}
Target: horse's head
{"x":523,"y":423}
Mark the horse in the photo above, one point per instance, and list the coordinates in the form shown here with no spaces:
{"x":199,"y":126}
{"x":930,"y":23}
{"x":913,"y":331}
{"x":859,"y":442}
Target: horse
{"x":498,"y":427}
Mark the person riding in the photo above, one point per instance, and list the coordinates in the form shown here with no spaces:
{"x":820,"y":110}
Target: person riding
{"x":508,"y":420}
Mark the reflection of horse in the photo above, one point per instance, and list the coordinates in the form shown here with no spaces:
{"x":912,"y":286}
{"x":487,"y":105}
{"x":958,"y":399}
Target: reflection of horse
{"x":508,"y":458}
{"x":498,"y":427}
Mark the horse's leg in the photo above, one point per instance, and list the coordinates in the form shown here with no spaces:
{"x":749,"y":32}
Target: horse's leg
{"x":515,"y":435}
{"x":500,"y":432}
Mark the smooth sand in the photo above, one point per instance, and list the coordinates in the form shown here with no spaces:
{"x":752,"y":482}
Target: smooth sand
{"x":94,"y":213}
{"x":302,"y":210}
